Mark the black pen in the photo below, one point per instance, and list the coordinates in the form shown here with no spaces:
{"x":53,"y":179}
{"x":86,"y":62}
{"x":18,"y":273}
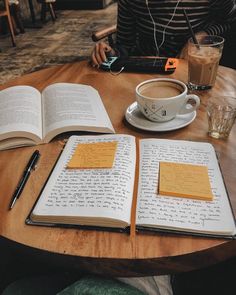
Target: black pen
{"x":30,"y":165}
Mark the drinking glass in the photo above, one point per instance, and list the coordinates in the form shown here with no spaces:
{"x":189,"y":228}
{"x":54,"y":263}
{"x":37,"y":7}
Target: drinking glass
{"x":203,"y":61}
{"x":221,"y":112}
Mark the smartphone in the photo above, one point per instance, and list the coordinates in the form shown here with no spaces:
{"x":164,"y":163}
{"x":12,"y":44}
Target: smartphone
{"x":163,"y":65}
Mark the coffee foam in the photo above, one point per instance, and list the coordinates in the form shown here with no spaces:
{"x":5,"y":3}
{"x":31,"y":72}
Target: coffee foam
{"x":160,"y":89}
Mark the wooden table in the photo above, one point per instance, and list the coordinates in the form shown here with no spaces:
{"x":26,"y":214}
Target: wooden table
{"x":110,"y":253}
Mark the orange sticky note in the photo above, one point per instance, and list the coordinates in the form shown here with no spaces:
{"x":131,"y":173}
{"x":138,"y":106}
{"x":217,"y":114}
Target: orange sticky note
{"x":93,"y":155}
{"x":185,"y":180}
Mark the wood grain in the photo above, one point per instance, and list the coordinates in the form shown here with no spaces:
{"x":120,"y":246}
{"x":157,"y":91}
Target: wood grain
{"x":110,"y":253}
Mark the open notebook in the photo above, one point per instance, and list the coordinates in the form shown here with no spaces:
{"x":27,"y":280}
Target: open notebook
{"x":102,"y":198}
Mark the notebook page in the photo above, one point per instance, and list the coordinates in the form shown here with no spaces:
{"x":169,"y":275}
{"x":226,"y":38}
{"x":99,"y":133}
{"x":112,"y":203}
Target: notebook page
{"x":91,"y":192}
{"x":181,"y":213}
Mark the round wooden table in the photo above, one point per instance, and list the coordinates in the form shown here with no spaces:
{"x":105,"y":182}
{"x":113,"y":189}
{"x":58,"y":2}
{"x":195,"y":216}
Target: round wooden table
{"x":110,"y":253}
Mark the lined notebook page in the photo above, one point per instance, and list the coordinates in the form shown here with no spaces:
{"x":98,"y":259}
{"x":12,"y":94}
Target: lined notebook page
{"x":91,"y":192}
{"x":181,"y":213}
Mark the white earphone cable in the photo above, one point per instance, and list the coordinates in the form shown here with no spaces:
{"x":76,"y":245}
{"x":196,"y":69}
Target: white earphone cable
{"x":164,"y":31}
{"x":154,"y":29}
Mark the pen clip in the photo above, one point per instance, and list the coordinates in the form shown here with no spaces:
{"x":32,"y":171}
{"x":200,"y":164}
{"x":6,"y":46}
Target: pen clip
{"x":34,"y":168}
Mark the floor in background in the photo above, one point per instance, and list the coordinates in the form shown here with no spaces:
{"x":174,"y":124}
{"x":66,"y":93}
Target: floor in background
{"x":66,"y":40}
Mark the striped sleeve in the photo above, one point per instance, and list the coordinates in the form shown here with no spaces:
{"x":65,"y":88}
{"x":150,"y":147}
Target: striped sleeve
{"x":223,"y":13}
{"x":222,"y":9}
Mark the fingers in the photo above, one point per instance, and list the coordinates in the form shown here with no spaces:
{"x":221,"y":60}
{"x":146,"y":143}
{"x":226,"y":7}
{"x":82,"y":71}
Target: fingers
{"x":98,"y":55}
{"x":100,"y":52}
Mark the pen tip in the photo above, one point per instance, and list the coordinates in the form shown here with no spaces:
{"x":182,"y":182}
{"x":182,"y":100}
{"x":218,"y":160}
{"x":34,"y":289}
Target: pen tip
{"x":12,"y":204}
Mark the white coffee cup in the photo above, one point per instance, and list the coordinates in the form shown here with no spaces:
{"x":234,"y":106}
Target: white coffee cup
{"x":161,"y":99}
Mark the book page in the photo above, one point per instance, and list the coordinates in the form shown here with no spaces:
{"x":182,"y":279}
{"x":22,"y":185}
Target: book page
{"x":73,"y":107}
{"x":103,"y":193}
{"x":175,"y":212}
{"x":20,"y":112}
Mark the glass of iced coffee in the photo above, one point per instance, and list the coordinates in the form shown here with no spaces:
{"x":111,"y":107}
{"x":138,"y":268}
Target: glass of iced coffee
{"x":203,"y":61}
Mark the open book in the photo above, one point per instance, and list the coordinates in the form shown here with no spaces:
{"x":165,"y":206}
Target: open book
{"x":28,"y":117}
{"x":103,"y":197}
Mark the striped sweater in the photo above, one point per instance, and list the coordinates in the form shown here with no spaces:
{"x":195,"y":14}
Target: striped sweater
{"x":138,"y":19}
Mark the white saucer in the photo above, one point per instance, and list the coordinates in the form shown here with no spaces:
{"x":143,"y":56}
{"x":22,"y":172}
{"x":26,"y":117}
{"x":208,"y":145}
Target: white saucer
{"x":134,"y":116}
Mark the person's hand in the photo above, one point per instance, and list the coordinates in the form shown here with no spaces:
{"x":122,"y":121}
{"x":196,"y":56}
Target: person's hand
{"x":100,"y":52}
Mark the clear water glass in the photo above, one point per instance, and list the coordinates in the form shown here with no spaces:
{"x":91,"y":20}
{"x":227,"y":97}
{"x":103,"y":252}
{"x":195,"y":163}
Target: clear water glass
{"x":221,"y":113}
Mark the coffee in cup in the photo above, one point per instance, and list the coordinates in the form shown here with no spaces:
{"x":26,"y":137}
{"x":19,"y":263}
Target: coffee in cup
{"x":161,"y":99}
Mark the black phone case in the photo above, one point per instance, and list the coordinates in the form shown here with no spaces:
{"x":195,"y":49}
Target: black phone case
{"x":141,"y":64}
